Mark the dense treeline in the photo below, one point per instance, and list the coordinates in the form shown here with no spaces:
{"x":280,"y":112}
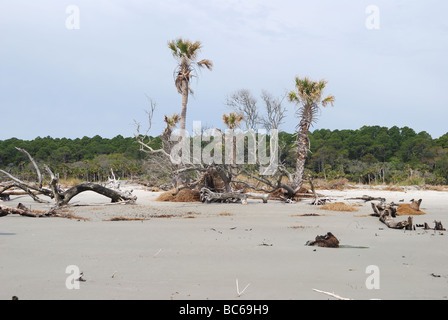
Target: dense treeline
{"x":87,"y":158}
{"x":371,"y":154}
{"x":383,"y":155}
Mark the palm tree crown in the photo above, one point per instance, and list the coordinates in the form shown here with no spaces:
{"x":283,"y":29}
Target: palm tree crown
{"x":186,"y":53}
{"x":309,"y":95}
{"x":232,"y":120}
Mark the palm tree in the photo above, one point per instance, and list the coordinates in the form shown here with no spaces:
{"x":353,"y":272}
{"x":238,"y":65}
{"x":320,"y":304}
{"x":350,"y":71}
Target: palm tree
{"x":308,"y":96}
{"x":186,"y":53}
{"x":170,"y":123}
{"x":232,"y":120}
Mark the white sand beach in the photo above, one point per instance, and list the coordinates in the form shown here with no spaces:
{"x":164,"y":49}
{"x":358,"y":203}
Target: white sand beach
{"x":196,"y":251}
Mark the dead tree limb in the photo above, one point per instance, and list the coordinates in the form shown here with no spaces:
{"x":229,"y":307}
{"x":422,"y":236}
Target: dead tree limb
{"x":39,"y":175}
{"x":62,"y":197}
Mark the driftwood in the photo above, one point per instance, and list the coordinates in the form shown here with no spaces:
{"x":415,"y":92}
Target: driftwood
{"x":368,"y":198}
{"x":262,"y":196}
{"x":21,"y":210}
{"x":62,"y":197}
{"x":328,"y":241}
{"x":209,"y":196}
{"x":387,"y":213}
{"x":5,"y":197}
{"x":438,"y":226}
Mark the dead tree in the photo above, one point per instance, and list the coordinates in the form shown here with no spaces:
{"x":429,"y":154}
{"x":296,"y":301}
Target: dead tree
{"x":387,"y":213}
{"x":62,"y":197}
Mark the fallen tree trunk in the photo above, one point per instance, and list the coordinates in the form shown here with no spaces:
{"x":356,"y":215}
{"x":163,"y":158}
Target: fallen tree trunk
{"x":114,"y":195}
{"x":387,"y":213}
{"x":21,"y":210}
{"x":262,"y":196}
{"x":60,"y":196}
{"x":209,"y":196}
{"x":368,"y":198}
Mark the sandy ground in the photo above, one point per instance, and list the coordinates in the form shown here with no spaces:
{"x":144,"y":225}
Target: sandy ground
{"x":197,"y":251}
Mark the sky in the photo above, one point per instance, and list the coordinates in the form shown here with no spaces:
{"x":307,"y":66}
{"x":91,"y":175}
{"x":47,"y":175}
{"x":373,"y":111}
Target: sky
{"x":90,"y":72}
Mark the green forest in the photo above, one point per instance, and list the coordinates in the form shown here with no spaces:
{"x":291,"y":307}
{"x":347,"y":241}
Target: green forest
{"x":369,"y":155}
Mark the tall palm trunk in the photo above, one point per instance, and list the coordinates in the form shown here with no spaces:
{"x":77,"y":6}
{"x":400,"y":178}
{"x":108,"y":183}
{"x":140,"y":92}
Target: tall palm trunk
{"x":302,"y":153}
{"x":181,"y":178}
{"x":303,"y":142}
{"x":183,"y":115}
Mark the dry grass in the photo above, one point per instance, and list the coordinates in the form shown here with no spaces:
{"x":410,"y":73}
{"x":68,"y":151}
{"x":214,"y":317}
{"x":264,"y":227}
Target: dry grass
{"x":73,"y":217}
{"x":184,"y":195}
{"x":393,"y":188}
{"x":70,"y":182}
{"x":121,"y":218}
{"x":163,"y":216}
{"x":436,"y":188}
{"x":339,"y":206}
{"x":406,"y":210}
{"x":225,"y":214}
{"x":338,"y":184}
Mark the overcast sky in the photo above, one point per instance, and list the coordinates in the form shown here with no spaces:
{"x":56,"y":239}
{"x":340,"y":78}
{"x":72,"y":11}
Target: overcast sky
{"x":62,"y":82}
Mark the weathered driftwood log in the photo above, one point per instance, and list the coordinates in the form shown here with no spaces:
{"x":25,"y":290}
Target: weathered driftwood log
{"x":328,"y":241}
{"x":21,"y":210}
{"x":387,"y":213}
{"x":262,"y":196}
{"x":63,"y":198}
{"x":368,"y":198}
{"x":209,"y":196}
{"x":382,"y":208}
{"x":391,"y":223}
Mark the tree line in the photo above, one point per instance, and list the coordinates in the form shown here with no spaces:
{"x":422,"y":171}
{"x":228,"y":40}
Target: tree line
{"x":371,"y":154}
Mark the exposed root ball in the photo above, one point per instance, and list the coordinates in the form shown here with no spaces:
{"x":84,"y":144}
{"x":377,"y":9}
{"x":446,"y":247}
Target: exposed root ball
{"x":328,"y":241}
{"x":184,"y":195}
{"x":339,"y":206}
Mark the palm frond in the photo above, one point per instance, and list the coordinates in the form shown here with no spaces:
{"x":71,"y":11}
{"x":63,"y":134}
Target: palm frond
{"x":206,"y":63}
{"x":328,"y":100}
